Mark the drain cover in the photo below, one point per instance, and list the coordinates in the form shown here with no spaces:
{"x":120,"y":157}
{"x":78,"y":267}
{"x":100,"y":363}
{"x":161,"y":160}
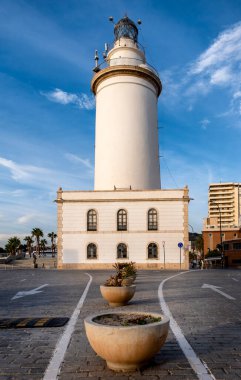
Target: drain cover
{"x":10,"y":323}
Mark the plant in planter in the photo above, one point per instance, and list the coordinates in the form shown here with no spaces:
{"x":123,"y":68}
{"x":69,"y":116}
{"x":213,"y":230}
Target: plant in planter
{"x":118,"y":289}
{"x":126,"y":340}
{"x":127,"y":271}
{"x":115,"y":292}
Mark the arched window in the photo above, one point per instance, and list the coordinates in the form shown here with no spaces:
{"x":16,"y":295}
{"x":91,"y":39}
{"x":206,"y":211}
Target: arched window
{"x":121,"y":220}
{"x":91,"y":251}
{"x":121,"y":251}
{"x":152,"y":251}
{"x":91,"y":220}
{"x":152,"y":220}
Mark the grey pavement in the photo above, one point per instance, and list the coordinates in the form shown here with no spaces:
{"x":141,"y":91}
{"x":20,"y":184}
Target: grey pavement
{"x":210,"y":322}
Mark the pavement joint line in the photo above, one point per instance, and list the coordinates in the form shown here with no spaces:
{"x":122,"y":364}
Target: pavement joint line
{"x":53,"y":368}
{"x":200,"y":368}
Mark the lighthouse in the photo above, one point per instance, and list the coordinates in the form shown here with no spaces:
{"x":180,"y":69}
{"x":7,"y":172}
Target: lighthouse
{"x":126,"y":91}
{"x":127,"y":216}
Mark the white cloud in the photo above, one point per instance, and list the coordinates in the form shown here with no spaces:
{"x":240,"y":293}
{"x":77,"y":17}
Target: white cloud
{"x":221,"y":76}
{"x":25,"y":218}
{"x":226,"y":48}
{"x":237,"y":95}
{"x":21,"y":172}
{"x":84,"y":161}
{"x":60,"y":96}
{"x":200,"y":87}
{"x":218,"y":65}
{"x":18,"y":193}
{"x":204,"y":123}
{"x":83,"y":101}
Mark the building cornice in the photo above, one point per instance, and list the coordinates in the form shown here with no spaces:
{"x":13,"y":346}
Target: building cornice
{"x":122,"y":233}
{"x":136,"y":71}
{"x":91,"y":200}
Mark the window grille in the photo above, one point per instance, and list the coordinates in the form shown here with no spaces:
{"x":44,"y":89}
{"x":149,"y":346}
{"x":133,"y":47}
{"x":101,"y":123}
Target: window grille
{"x":91,"y":251}
{"x":152,"y":220}
{"x":91,"y":220}
{"x":152,"y":251}
{"x":121,"y":220}
{"x":121,"y":251}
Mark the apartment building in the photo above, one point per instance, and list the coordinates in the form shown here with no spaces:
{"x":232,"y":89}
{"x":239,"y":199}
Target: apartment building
{"x":223,"y":221}
{"x":224,"y":202}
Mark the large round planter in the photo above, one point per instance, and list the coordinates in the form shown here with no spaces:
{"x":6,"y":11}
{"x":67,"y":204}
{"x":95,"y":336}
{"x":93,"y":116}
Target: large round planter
{"x":126,"y":348}
{"x":117,"y":295}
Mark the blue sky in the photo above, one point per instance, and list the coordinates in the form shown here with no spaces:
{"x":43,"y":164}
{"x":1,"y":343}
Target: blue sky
{"x":47,"y":111}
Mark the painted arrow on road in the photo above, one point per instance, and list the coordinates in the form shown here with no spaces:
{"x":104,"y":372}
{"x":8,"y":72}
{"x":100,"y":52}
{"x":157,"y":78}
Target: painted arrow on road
{"x":29,"y":292}
{"x":216,"y":289}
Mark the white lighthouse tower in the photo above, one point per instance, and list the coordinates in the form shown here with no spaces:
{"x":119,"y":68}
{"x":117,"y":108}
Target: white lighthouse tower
{"x":126,"y":142}
{"x":127,"y":216}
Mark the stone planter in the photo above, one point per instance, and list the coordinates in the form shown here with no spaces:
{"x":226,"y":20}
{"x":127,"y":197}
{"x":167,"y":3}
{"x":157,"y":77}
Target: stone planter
{"x":126,"y":348}
{"x":117,"y":295}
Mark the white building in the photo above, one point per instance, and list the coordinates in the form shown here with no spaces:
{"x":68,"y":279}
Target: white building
{"x":127,"y":216}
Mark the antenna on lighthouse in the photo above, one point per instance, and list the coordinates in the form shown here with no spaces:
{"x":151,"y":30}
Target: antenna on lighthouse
{"x":105,"y":51}
{"x":96,"y":58}
{"x":96,"y":68}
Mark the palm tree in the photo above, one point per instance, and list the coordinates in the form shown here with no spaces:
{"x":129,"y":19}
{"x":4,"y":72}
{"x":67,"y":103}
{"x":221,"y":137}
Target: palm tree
{"x":43,"y":243}
{"x":12,"y":245}
{"x":29,"y":242}
{"x":52,"y":236}
{"x":37,"y":233}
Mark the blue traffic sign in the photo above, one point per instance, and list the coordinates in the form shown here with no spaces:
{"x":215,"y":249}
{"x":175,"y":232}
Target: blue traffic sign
{"x":180,"y":245}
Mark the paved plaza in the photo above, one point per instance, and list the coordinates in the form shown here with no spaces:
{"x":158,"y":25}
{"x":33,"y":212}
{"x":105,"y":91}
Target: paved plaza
{"x":204,"y":304}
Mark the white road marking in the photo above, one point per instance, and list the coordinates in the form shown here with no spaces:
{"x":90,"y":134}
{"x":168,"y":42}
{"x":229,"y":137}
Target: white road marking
{"x":216,"y":289}
{"x":235,"y":279}
{"x":24,"y":279}
{"x":29,"y":292}
{"x":201,"y":369}
{"x":53,"y":368}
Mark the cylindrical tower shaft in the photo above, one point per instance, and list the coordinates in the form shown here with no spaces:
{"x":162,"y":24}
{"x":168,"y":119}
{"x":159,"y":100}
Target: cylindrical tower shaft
{"x":126,"y":147}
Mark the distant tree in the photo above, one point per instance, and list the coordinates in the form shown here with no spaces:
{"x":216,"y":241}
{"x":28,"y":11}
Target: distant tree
{"x":29,"y":242}
{"x":2,"y":250}
{"x":43,"y":243}
{"x":213,"y":253}
{"x":199,"y":244}
{"x":37,"y":233}
{"x":52,"y":236}
{"x":192,"y":256}
{"x":12,"y":245}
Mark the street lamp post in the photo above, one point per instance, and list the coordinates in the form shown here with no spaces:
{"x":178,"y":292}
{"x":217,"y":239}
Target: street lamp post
{"x":192,"y":248}
{"x":164,"y":253}
{"x":220,"y":229}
